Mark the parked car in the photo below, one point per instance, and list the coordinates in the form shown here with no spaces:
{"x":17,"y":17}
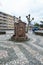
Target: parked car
{"x":35,"y":28}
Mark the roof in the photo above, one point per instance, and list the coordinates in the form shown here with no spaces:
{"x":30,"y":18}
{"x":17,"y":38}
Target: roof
{"x":6,"y":14}
{"x":20,"y":21}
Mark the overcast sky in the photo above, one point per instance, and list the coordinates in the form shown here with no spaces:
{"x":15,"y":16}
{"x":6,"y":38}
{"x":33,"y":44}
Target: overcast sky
{"x":23,"y":8}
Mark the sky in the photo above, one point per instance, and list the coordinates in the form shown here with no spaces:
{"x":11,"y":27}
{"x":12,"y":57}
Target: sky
{"x":23,"y":8}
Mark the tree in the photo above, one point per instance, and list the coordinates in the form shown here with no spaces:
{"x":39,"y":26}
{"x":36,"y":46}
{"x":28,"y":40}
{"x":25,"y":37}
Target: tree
{"x":41,"y":25}
{"x":41,"y":22}
{"x":36,"y":24}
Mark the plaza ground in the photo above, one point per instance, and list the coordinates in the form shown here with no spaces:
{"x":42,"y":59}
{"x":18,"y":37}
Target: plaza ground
{"x":21,"y":53}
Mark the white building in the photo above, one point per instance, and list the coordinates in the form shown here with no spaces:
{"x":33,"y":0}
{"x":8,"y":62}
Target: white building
{"x":6,"y":21}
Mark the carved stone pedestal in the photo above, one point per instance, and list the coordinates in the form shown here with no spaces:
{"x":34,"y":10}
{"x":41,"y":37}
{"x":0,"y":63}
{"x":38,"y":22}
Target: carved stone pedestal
{"x":20,"y":31}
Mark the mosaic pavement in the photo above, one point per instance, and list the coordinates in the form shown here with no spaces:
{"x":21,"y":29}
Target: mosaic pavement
{"x":24,"y":53}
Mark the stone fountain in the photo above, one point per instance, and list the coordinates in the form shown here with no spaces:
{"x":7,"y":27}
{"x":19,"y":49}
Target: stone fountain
{"x":19,"y":31}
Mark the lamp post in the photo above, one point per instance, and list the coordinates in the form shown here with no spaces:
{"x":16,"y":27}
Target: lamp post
{"x":29,"y":21}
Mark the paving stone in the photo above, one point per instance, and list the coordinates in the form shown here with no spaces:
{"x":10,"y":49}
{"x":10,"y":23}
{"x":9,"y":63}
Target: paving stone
{"x":21,"y":55}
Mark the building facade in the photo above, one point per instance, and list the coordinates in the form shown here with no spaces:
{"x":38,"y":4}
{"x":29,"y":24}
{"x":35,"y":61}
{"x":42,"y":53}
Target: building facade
{"x":6,"y":21}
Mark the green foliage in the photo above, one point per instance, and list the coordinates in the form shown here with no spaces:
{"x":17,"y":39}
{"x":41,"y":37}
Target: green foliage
{"x":41,"y":22}
{"x":36,"y":24}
